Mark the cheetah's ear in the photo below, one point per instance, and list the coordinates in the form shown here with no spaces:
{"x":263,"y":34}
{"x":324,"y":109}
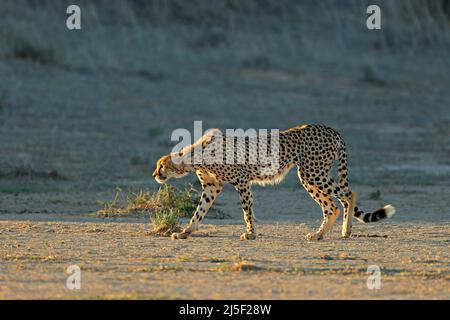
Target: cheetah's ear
{"x":210,"y":135}
{"x":181,"y":164}
{"x":212,"y":132}
{"x":176,"y":158}
{"x":206,"y":138}
{"x":182,"y":157}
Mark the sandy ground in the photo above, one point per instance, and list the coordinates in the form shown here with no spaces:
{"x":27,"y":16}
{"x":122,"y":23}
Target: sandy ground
{"x":120,"y":261}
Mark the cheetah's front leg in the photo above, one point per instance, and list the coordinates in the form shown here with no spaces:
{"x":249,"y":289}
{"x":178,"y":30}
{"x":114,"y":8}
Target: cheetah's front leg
{"x":245,"y":194}
{"x":211,"y":190}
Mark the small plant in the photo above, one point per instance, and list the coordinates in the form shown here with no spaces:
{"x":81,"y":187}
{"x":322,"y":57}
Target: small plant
{"x":183,"y":202}
{"x":239,"y":265}
{"x":165,"y":223}
{"x":166,"y":199}
{"x":183,"y":258}
{"x":110,"y":207}
{"x":164,"y":206}
{"x":26,"y":49}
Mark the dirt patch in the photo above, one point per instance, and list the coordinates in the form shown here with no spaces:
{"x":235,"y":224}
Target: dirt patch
{"x":117,"y":261}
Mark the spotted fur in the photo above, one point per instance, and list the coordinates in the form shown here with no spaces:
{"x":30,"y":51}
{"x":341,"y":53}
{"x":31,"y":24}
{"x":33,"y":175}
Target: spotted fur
{"x":312,"y":148}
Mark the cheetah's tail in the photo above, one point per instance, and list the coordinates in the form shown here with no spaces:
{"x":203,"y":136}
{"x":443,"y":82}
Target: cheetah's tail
{"x":382,"y":213}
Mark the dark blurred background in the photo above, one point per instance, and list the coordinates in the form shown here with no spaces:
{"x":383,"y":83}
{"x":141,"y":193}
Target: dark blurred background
{"x":84,"y":111}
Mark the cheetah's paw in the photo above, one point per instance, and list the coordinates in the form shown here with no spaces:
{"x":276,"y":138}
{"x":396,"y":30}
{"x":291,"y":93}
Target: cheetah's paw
{"x":248,"y":236}
{"x":346,"y":233}
{"x":181,"y":235}
{"x":313,"y":236}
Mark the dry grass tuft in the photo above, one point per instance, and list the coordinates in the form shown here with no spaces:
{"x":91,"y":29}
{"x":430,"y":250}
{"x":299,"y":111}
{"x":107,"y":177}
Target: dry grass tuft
{"x":243,"y":265}
{"x":165,"y":223}
{"x":166,"y":200}
{"x":164,"y":206}
{"x":240,"y":265}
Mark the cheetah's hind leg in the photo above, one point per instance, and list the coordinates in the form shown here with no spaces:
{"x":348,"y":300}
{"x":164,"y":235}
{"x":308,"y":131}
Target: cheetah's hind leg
{"x":330,"y":213}
{"x":329,"y":209}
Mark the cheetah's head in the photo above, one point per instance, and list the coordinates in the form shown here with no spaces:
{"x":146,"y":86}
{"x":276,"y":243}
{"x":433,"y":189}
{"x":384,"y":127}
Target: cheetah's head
{"x":166,"y":168}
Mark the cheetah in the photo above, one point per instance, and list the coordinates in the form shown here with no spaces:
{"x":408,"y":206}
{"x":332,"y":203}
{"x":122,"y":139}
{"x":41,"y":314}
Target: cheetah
{"x":312,"y":148}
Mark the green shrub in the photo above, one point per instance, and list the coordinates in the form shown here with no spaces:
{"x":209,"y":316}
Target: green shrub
{"x":166,"y":199}
{"x":165,"y":222}
{"x":164,"y":206}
